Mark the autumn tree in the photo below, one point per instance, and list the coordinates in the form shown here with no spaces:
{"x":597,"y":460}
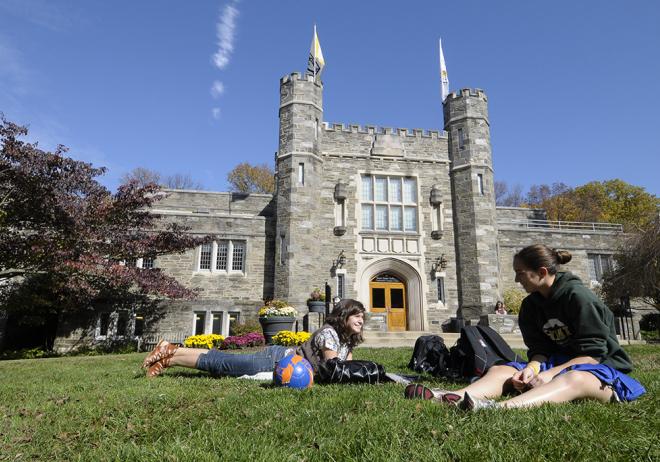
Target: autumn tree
{"x":182,"y":181}
{"x":612,"y":201}
{"x":247,"y":178}
{"x":64,"y":237}
{"x":506,"y":196}
{"x":637,"y":272}
{"x":144,"y":176}
{"x":141,"y":177}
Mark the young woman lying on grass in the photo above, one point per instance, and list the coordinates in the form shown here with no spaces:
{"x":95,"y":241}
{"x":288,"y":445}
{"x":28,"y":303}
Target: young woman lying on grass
{"x":573,"y":350}
{"x":336,"y":338}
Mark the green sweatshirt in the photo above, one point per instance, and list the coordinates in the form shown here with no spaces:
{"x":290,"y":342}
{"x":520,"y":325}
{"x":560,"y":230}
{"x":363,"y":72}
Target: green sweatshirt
{"x":573,"y":321}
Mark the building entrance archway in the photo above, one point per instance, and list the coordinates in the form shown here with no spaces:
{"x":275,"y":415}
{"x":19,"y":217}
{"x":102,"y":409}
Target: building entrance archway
{"x":408,"y":276}
{"x":387,"y":294}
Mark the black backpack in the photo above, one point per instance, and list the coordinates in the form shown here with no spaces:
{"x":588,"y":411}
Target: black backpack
{"x":476,"y":350}
{"x":430,"y":355}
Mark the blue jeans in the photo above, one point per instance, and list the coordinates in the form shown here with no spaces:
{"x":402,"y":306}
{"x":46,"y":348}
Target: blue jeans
{"x":218,"y":362}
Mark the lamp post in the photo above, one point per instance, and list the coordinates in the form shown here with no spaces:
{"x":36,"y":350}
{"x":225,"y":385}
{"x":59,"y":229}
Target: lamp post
{"x":439,"y":263}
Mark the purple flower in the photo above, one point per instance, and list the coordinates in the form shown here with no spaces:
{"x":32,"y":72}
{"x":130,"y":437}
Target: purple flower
{"x":242,"y":341}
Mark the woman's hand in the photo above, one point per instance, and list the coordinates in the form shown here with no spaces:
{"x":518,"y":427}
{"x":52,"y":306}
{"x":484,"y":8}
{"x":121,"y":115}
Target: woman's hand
{"x":521,"y":379}
{"x":541,"y":378}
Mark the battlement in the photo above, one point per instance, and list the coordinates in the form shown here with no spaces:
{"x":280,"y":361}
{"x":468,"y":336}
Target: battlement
{"x":303,"y":77}
{"x":373,"y":130}
{"x":467,"y":92}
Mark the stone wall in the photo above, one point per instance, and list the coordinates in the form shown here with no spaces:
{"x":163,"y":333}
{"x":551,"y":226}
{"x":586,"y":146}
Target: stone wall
{"x":228,"y":216}
{"x":579,"y":243}
{"x":520,"y":213}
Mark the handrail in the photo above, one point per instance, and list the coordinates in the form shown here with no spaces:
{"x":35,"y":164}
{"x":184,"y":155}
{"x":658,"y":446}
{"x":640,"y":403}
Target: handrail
{"x":558,"y":224}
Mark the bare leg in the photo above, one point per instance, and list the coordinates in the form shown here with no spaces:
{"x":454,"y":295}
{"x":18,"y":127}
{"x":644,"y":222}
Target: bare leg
{"x":492,"y":385}
{"x":563,"y":388}
{"x":187,"y":357}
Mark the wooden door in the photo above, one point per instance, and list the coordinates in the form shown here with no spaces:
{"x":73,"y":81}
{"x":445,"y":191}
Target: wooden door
{"x":388,"y":295}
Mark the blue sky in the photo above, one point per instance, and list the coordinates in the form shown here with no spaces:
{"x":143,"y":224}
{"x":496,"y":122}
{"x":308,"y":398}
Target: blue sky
{"x":192,"y":86}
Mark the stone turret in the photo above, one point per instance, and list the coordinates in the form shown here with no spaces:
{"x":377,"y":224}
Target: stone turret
{"x":473,"y":194}
{"x":298,"y":181}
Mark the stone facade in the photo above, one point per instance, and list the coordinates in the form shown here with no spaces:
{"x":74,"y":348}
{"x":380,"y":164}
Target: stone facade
{"x":403,"y":218}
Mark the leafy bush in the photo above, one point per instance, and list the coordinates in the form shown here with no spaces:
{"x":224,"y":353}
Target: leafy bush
{"x":513,"y":299}
{"x":288,"y":338}
{"x":207,"y":341}
{"x":27,"y":353}
{"x":650,"y":322}
{"x":251,"y":325}
{"x":251,"y":339}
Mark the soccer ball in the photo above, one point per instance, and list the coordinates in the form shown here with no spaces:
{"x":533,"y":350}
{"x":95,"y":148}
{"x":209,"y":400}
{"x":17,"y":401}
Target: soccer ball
{"x":294,"y":371}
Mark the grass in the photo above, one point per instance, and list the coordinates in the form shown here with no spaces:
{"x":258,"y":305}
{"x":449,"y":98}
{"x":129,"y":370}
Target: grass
{"x":102,"y":408}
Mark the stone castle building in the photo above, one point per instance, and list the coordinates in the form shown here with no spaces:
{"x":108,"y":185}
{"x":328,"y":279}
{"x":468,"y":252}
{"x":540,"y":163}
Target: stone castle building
{"x":403,"y":220}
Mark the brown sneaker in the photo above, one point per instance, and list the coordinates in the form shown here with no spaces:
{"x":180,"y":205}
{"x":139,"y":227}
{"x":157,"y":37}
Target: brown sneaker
{"x":161,"y":351}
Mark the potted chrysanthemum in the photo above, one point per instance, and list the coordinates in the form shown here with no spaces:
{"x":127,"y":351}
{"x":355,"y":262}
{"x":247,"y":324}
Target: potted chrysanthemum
{"x":316,"y":301}
{"x":276,"y":316}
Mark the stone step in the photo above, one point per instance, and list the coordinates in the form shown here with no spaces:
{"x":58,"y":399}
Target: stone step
{"x":407,"y":339}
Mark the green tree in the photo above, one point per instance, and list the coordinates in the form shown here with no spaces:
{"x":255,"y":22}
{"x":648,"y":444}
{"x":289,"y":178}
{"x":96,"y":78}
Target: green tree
{"x":247,"y":178}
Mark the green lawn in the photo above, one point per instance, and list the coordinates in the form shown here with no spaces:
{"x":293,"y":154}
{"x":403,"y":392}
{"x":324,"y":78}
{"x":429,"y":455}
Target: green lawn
{"x":102,"y":408}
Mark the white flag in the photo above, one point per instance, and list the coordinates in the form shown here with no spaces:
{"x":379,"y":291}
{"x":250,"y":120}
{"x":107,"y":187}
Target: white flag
{"x":316,"y":62}
{"x":444,"y":79}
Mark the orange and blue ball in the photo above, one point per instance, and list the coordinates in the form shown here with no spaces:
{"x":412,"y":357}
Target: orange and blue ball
{"x":294,"y":371}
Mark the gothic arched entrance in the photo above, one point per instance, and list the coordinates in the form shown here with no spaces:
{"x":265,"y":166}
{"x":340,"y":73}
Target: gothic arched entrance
{"x":408,"y":275}
{"x":387,"y":294}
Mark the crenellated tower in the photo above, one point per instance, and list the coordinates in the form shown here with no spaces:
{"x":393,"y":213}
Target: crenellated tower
{"x":298,"y":180}
{"x":473,"y":197}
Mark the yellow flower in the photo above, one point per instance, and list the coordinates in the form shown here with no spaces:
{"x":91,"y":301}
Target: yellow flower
{"x":207,"y":341}
{"x":288,"y":338}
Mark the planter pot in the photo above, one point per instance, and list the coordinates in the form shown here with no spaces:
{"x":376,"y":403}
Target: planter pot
{"x":273,"y":324}
{"x":316,"y":306}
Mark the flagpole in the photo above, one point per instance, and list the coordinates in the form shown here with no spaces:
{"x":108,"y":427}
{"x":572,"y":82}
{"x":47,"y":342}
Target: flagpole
{"x":314,"y":45}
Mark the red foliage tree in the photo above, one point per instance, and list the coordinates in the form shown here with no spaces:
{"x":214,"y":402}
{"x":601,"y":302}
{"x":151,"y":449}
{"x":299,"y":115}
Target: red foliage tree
{"x":64,"y":236}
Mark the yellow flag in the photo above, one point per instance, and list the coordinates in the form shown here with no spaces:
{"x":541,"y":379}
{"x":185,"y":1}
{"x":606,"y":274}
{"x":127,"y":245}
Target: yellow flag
{"x":316,"y":62}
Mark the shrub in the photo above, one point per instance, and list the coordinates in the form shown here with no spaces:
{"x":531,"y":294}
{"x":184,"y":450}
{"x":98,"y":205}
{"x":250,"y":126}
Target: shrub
{"x":207,"y":341}
{"x":650,"y":322}
{"x":513,"y":299}
{"x":27,"y":353}
{"x":251,"y":339}
{"x":251,"y":325}
{"x":288,"y":338}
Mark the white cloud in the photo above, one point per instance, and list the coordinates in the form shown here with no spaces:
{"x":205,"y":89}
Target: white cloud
{"x":217,"y":89}
{"x":226,"y":31}
{"x":216,"y":113}
{"x":13,"y":72}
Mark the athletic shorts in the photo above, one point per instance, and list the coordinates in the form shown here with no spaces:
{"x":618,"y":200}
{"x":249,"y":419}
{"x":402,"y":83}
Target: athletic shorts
{"x":625,"y":388}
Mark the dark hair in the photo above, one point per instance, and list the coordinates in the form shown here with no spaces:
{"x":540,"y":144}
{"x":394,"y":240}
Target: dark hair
{"x":540,"y":255}
{"x":340,"y":314}
{"x":499,"y":303}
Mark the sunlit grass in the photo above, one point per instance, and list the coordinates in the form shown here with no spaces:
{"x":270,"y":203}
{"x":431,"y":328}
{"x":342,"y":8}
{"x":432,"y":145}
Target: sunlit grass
{"x":102,"y":408}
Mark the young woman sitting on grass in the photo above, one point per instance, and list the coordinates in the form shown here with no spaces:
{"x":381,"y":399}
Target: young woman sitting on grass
{"x":336,"y":338}
{"x":573,"y":350}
